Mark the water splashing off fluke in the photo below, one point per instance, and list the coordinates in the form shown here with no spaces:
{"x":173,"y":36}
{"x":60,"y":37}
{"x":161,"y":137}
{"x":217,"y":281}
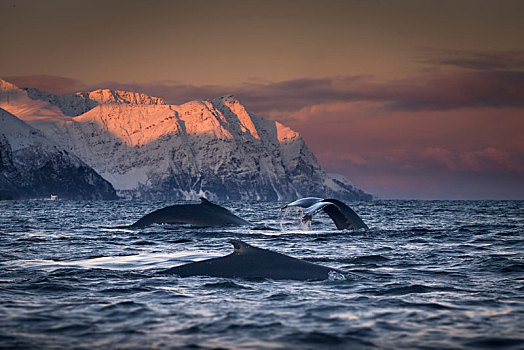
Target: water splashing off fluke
{"x":294,"y":213}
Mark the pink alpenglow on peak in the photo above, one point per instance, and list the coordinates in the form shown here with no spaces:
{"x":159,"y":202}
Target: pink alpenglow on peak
{"x":116,"y":96}
{"x":285,"y":134}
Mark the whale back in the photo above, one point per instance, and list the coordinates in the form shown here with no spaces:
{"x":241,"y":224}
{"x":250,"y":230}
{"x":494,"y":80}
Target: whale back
{"x":251,"y":262}
{"x":199,"y":215}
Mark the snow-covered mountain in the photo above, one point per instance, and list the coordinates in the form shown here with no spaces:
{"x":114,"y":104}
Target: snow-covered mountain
{"x":32,"y":166}
{"x":149,"y":149}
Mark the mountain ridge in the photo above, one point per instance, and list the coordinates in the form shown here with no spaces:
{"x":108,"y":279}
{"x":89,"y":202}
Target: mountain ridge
{"x":214,"y":148}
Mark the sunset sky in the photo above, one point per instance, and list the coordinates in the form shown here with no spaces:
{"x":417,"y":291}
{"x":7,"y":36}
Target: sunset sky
{"x":407,"y":99}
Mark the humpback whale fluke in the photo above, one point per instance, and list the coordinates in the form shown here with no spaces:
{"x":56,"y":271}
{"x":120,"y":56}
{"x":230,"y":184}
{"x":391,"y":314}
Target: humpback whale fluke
{"x":199,"y":215}
{"x":343,"y":216}
{"x":251,"y":262}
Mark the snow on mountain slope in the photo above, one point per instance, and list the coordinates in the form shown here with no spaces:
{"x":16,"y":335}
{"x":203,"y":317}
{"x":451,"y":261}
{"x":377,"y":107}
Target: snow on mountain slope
{"x":33,"y":104}
{"x":69,"y":105}
{"x":17,"y":102}
{"x":148,"y":149}
{"x":32,"y":166}
{"x":201,"y":148}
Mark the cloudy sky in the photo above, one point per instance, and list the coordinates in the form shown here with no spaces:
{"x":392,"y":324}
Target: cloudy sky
{"x":408,"y":99}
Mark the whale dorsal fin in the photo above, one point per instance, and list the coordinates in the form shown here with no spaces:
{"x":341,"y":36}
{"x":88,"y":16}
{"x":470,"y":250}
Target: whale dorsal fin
{"x":239,"y":246}
{"x":204,"y":201}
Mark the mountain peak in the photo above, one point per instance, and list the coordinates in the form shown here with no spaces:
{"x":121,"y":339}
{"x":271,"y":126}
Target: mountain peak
{"x":226,"y":99}
{"x":104,"y":96}
{"x":7,"y":86}
{"x":9,"y":91}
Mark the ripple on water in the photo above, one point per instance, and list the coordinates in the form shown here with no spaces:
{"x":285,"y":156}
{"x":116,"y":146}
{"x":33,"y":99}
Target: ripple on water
{"x":428,"y":274}
{"x":311,"y":340}
{"x":225,"y":285}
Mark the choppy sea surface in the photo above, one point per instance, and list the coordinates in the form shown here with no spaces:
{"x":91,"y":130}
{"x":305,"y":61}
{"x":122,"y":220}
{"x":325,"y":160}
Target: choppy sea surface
{"x":426,"y":275}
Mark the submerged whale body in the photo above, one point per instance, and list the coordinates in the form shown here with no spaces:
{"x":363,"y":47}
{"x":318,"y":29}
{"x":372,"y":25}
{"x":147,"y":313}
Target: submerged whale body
{"x":343,"y":216}
{"x":251,"y":262}
{"x":199,"y":215}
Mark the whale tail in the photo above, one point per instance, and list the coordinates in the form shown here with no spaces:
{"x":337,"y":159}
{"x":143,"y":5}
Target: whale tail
{"x":342,"y":215}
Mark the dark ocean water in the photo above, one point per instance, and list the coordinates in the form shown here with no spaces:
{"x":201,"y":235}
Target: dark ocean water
{"x":433,"y":275}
